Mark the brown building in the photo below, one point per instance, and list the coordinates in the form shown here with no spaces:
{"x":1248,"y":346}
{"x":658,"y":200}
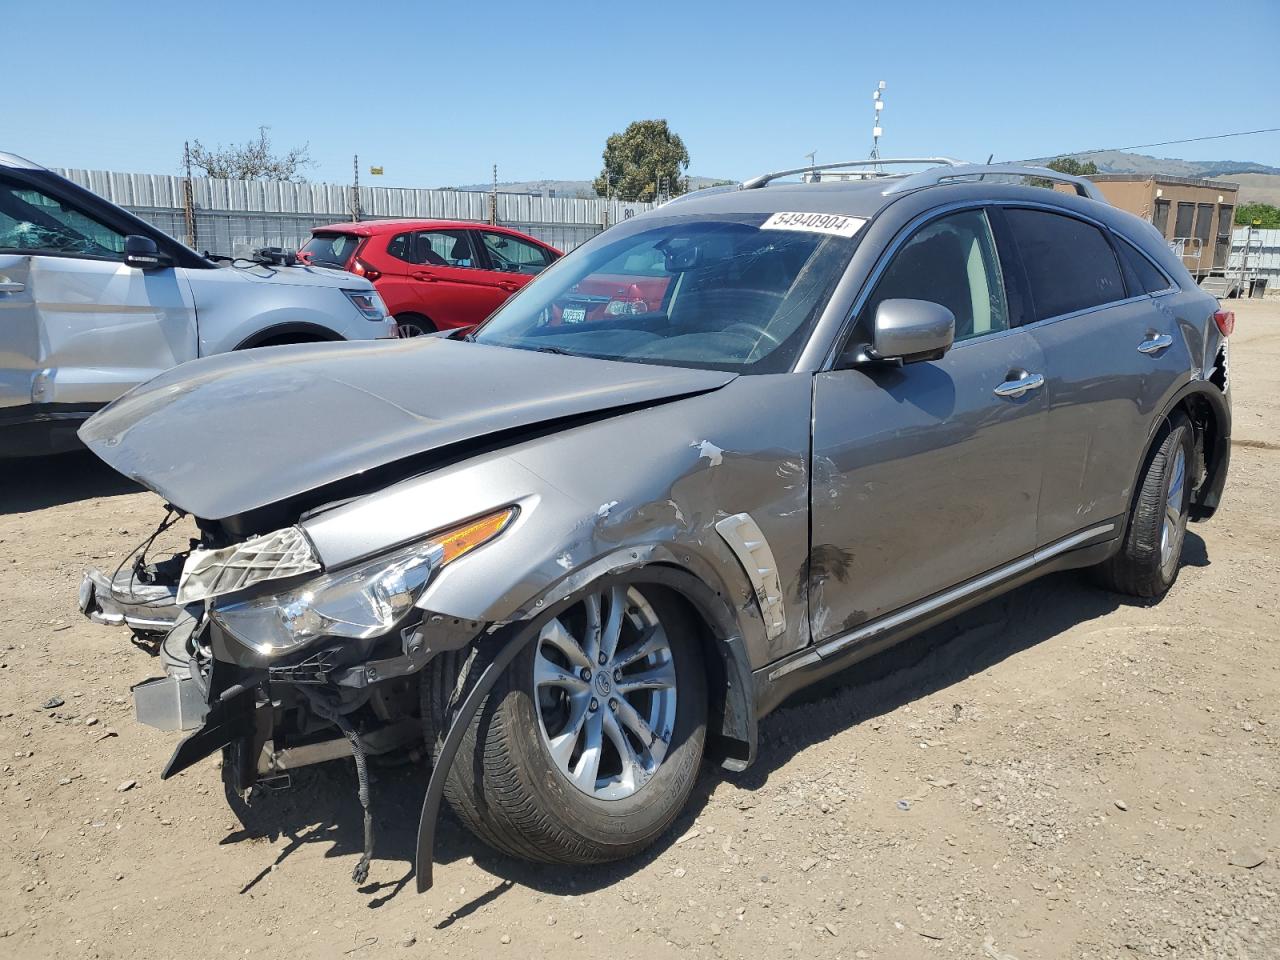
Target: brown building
{"x":1195,"y":216}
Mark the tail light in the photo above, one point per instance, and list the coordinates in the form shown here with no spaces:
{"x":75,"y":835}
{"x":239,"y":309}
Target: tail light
{"x":1226,"y":321}
{"x":362,"y":268}
{"x":622,"y":308}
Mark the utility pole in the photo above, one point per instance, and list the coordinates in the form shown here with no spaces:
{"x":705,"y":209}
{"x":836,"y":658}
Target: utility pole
{"x":812,"y":156}
{"x":493,"y":199}
{"x":877,"y":97}
{"x":355,"y":188}
{"x":188,"y":198}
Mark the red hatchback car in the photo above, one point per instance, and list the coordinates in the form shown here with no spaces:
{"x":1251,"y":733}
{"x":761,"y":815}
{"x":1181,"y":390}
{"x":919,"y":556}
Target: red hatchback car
{"x":432,"y":274}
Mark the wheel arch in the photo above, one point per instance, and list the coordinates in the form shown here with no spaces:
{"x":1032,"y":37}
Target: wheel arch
{"x":731,"y":723}
{"x":1205,"y":405}
{"x":429,"y":325}
{"x":312,"y":331}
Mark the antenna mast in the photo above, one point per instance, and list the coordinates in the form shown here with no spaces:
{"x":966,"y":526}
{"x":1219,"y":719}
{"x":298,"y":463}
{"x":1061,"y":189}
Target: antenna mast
{"x":877,"y":97}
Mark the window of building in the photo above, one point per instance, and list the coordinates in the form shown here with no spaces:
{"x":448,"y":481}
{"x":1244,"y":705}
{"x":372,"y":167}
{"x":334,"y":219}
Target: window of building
{"x":1182,"y":226}
{"x":1161,"y":218}
{"x":1204,"y":222}
{"x":1226,"y":213}
{"x":1069,"y":264}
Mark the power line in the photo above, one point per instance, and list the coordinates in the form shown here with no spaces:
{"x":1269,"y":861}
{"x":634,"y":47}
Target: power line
{"x":1169,"y":143}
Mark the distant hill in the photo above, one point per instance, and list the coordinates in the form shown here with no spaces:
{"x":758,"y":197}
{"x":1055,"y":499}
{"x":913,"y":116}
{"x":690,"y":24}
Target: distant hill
{"x":1117,"y":161}
{"x":565,"y":188}
{"x":1256,"y":187}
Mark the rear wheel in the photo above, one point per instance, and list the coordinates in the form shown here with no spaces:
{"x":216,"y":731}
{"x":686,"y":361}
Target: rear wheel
{"x":1147,"y":562}
{"x":589,"y":745}
{"x":414,"y":325}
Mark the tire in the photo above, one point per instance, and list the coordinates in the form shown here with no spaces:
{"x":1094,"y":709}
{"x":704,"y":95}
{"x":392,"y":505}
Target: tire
{"x":1147,"y":563}
{"x":508,"y":787}
{"x":411,"y":325}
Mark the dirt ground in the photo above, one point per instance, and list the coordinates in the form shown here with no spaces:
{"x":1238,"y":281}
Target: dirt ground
{"x":1060,"y":773}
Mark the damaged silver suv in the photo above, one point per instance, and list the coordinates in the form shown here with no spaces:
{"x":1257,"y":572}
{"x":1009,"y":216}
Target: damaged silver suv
{"x":721,"y":451}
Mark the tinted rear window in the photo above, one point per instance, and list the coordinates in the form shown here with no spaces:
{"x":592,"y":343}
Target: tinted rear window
{"x":331,"y":249}
{"x":1145,"y":274}
{"x":1070,"y":264}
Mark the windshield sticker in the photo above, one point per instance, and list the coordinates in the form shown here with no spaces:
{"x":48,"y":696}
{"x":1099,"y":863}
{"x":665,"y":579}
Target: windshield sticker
{"x":832,"y":223}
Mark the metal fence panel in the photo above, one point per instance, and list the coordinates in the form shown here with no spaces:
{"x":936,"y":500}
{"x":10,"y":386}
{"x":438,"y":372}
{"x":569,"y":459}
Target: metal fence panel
{"x":233,"y":217}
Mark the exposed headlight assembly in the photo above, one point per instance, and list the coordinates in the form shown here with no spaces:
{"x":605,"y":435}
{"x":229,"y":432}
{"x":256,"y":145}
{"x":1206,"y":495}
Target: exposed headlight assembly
{"x":359,"y":602}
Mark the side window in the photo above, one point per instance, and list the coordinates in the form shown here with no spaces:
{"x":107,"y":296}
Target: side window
{"x":33,"y":222}
{"x":513,"y":255}
{"x":443,"y":248}
{"x":400,"y":247}
{"x":1145,"y":274}
{"x":1070,"y":265}
{"x":951,"y":261}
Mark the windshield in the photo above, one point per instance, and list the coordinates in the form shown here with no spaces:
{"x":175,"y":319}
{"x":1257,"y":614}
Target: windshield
{"x":330,"y":249}
{"x":725,"y":293}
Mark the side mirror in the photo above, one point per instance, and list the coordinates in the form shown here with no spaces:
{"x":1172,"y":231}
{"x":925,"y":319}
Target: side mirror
{"x":911,"y":330}
{"x":142,"y":253}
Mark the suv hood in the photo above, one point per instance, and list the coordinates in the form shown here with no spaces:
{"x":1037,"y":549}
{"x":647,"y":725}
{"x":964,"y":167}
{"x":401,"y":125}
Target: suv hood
{"x":302,"y":276}
{"x":228,"y":434}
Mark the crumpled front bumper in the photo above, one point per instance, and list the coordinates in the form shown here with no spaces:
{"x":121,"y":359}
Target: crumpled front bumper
{"x":123,"y":600}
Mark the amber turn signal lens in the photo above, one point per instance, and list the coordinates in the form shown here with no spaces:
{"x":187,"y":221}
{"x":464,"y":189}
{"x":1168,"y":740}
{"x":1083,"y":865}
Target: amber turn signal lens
{"x":470,"y":535}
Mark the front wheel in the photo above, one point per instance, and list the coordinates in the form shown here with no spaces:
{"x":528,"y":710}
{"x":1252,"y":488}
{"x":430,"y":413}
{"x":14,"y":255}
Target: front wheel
{"x":1149,"y":556}
{"x":589,"y":745}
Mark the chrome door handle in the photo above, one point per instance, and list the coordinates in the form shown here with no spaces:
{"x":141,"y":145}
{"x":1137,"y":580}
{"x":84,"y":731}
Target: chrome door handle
{"x":11,"y":286}
{"x":1016,"y":388}
{"x":1155,"y":344}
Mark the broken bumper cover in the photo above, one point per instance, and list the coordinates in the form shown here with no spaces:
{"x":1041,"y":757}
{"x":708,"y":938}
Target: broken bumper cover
{"x":125,"y":601}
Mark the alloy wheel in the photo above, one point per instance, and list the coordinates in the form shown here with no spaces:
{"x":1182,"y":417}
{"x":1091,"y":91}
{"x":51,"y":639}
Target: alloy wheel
{"x":1173,"y":528}
{"x":605,"y":684}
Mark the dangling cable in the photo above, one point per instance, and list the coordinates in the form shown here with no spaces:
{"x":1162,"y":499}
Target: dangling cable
{"x":361,"y":872}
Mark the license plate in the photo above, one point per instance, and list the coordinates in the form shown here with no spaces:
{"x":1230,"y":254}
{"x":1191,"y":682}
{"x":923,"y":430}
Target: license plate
{"x":573,"y":315}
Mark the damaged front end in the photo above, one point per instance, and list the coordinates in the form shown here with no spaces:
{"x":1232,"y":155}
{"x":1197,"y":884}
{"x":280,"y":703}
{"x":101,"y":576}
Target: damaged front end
{"x":266,"y":652}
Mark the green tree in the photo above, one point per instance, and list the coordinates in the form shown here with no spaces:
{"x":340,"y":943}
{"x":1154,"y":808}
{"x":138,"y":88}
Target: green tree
{"x":644,"y":160}
{"x":1073,"y":167}
{"x":1264,"y":212}
{"x":251,"y":161}
{"x":1068,"y":165}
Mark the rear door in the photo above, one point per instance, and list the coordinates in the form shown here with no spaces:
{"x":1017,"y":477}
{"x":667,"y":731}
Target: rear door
{"x":1112,"y":354}
{"x":88,"y":327}
{"x":923,"y":475}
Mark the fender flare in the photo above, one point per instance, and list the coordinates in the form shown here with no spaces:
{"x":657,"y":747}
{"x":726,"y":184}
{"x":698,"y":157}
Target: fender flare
{"x":288,"y":330}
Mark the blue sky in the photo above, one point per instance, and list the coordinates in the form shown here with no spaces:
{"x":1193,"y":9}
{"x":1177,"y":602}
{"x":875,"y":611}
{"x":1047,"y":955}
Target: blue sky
{"x":436,"y":93}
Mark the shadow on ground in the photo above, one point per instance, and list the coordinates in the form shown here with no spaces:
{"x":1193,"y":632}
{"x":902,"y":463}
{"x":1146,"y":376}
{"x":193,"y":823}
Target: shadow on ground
{"x":36,"y":483}
{"x":326,"y":811}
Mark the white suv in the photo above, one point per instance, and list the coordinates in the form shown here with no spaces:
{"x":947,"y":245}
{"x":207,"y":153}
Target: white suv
{"x":94,"y":301}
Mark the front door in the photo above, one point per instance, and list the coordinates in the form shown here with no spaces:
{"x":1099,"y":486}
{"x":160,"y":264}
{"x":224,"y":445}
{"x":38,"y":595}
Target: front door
{"x":924,"y":475}
{"x":513,"y":260}
{"x":84,"y":327}
{"x":455,"y":288}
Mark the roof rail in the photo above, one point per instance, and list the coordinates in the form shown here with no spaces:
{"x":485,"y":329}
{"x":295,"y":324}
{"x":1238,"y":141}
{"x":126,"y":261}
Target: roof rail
{"x":928,"y":178}
{"x":13,"y":160}
{"x":765,"y":178}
